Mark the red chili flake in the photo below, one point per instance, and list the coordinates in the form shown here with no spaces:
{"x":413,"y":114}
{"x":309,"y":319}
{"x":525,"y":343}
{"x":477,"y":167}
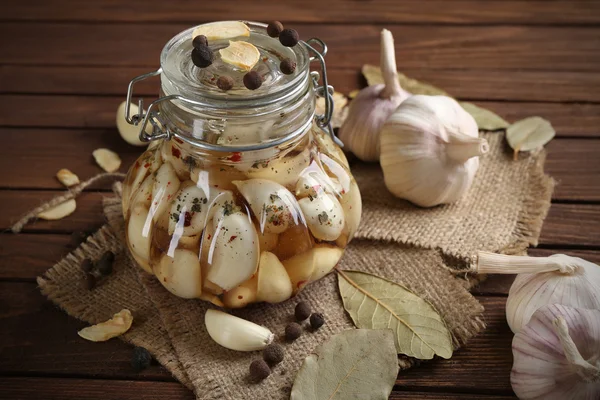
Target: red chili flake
{"x":231,"y":239}
{"x":147,"y":165}
{"x":236,"y":157}
{"x":240,"y":297}
{"x":301,"y":283}
{"x":265,"y":59}
{"x":178,"y":140}
{"x":187,"y":219}
{"x":137,"y":164}
{"x":175,"y":152}
{"x":209,"y":236}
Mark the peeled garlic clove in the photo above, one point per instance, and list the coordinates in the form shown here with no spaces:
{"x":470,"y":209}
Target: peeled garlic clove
{"x":143,"y":194}
{"x":352,"y":205}
{"x":242,"y":295}
{"x":324,"y":216}
{"x":180,"y":273}
{"x":189,"y":211}
{"x":326,"y":258}
{"x":326,"y":143}
{"x":272,"y":204}
{"x":222,"y":30}
{"x":312,"y":265}
{"x":235,"y":333}
{"x":240,"y":54}
{"x":166,"y":184}
{"x":313,"y":182}
{"x":274,"y":284}
{"x":116,"y":326}
{"x":180,"y":160}
{"x":138,"y":236}
{"x":267,"y":241}
{"x":234,"y":250}
{"x":149,"y":162}
{"x":107,"y":160}
{"x":131,"y":133}
{"x":59,"y":211}
{"x":285,"y":171}
{"x":67,"y":178}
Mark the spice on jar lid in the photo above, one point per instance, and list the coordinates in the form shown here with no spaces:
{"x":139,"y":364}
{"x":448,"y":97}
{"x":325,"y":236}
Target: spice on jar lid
{"x":200,"y":41}
{"x":253,"y":80}
{"x":202,"y":56}
{"x":293,"y":331}
{"x":302,"y":311}
{"x":289,"y":37}
{"x":259,"y":370}
{"x":273,"y":354}
{"x":274,"y":28}
{"x":287,"y":66}
{"x":316,"y":320}
{"x":225,"y":82}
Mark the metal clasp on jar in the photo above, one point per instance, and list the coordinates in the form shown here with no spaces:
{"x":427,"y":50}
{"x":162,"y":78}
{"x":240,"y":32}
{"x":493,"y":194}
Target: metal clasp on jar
{"x":160,"y":131}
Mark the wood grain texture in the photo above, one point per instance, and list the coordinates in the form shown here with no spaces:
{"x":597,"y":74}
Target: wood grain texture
{"x":311,"y":11}
{"x":544,"y":86}
{"x":441,"y":47}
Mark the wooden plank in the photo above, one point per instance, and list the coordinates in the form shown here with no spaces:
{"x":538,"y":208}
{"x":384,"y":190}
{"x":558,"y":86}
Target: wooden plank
{"x":23,"y":388}
{"x":61,"y":111}
{"x":311,"y":11}
{"x":545,"y":86}
{"x":495,"y":47}
{"x":58,"y":350}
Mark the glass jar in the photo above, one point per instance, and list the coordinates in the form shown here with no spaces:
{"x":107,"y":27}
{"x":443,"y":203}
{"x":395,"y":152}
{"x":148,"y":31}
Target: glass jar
{"x":242,"y":196}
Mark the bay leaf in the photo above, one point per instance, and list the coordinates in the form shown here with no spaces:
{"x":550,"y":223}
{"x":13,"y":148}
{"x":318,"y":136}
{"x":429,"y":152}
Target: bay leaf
{"x":377,"y":303}
{"x":373,"y":76}
{"x":529,"y":134}
{"x":354,"y":364}
{"x":486,"y":119}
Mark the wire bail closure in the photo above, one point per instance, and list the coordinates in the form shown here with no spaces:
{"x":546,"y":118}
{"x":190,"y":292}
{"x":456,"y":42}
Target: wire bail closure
{"x":160,"y":131}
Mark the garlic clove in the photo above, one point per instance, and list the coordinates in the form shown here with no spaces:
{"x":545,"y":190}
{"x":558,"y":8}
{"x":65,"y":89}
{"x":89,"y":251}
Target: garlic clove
{"x":166,"y":184}
{"x":311,"y":265}
{"x":327,"y":144}
{"x":267,"y":241}
{"x":107,"y":159}
{"x":236,"y":333}
{"x":175,"y":155}
{"x":234,"y":251}
{"x":67,"y":178}
{"x":59,"y":211}
{"x":273,"y":205}
{"x":324,"y":216}
{"x":222,"y":30}
{"x":180,"y":273}
{"x":131,"y":133}
{"x":352,"y":205}
{"x":149,"y":162}
{"x":326,"y":258}
{"x":116,"y":326}
{"x":295,"y":240}
{"x":273,"y":284}
{"x":138,"y":236}
{"x":189,"y":211}
{"x":240,"y":54}
{"x":242,"y":295}
{"x":285,"y":171}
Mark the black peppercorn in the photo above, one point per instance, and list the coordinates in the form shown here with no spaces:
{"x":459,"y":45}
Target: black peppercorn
{"x":200,"y":41}
{"x":105,"y":264}
{"x":87,"y":266}
{"x":302,"y":311}
{"x":253,"y":80}
{"x":293,"y":331}
{"x":273,"y":354}
{"x":287,"y":66}
{"x":202,"y":56}
{"x":140,"y":359}
{"x":316,"y":320}
{"x":259,"y":370}
{"x":225,"y":82}
{"x":274,"y":28}
{"x":289,"y":37}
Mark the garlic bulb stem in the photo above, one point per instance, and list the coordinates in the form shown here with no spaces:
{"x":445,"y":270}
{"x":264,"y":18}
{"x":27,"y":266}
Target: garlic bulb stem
{"x":467,"y":148}
{"x":388,"y":66}
{"x":491,"y":263}
{"x":588,"y":372}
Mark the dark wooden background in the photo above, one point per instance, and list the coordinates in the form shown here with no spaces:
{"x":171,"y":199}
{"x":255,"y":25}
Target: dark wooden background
{"x":64,"y":68}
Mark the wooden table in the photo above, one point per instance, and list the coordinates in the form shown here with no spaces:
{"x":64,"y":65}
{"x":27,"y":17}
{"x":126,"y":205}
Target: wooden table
{"x":64,"y":68}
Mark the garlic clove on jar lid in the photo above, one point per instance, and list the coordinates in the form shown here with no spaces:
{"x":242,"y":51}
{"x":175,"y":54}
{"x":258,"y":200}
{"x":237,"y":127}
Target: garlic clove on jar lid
{"x":222,"y":30}
{"x":240,"y":54}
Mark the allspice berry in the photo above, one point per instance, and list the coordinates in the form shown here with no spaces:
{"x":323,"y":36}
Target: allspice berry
{"x":289,"y":37}
{"x":274,"y":28}
{"x":87,"y":265}
{"x":273,"y":354}
{"x":253,"y":80}
{"x":287,"y":66}
{"x":302,"y":311}
{"x":89,"y":281}
{"x":259,"y":370}
{"x":225,"y":83}
{"x":317,"y":320}
{"x":140,"y":359}
{"x":105,"y":264}
{"x":293,"y":331}
{"x":200,"y":41}
{"x":202,"y":56}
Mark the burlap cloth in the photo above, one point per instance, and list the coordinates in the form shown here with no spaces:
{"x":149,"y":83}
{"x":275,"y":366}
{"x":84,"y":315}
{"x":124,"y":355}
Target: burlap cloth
{"x":503,"y":211}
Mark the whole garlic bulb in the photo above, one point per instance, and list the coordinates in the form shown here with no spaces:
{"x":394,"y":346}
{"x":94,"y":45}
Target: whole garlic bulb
{"x":557,"y":355}
{"x":558,"y":279}
{"x":372,"y":106}
{"x":430,"y":150}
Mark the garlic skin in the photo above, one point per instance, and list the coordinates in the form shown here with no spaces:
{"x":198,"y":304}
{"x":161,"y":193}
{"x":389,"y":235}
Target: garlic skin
{"x":236,"y":333}
{"x":372,"y":107}
{"x":430,"y":149}
{"x":557,"y":355}
{"x":558,"y":279}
